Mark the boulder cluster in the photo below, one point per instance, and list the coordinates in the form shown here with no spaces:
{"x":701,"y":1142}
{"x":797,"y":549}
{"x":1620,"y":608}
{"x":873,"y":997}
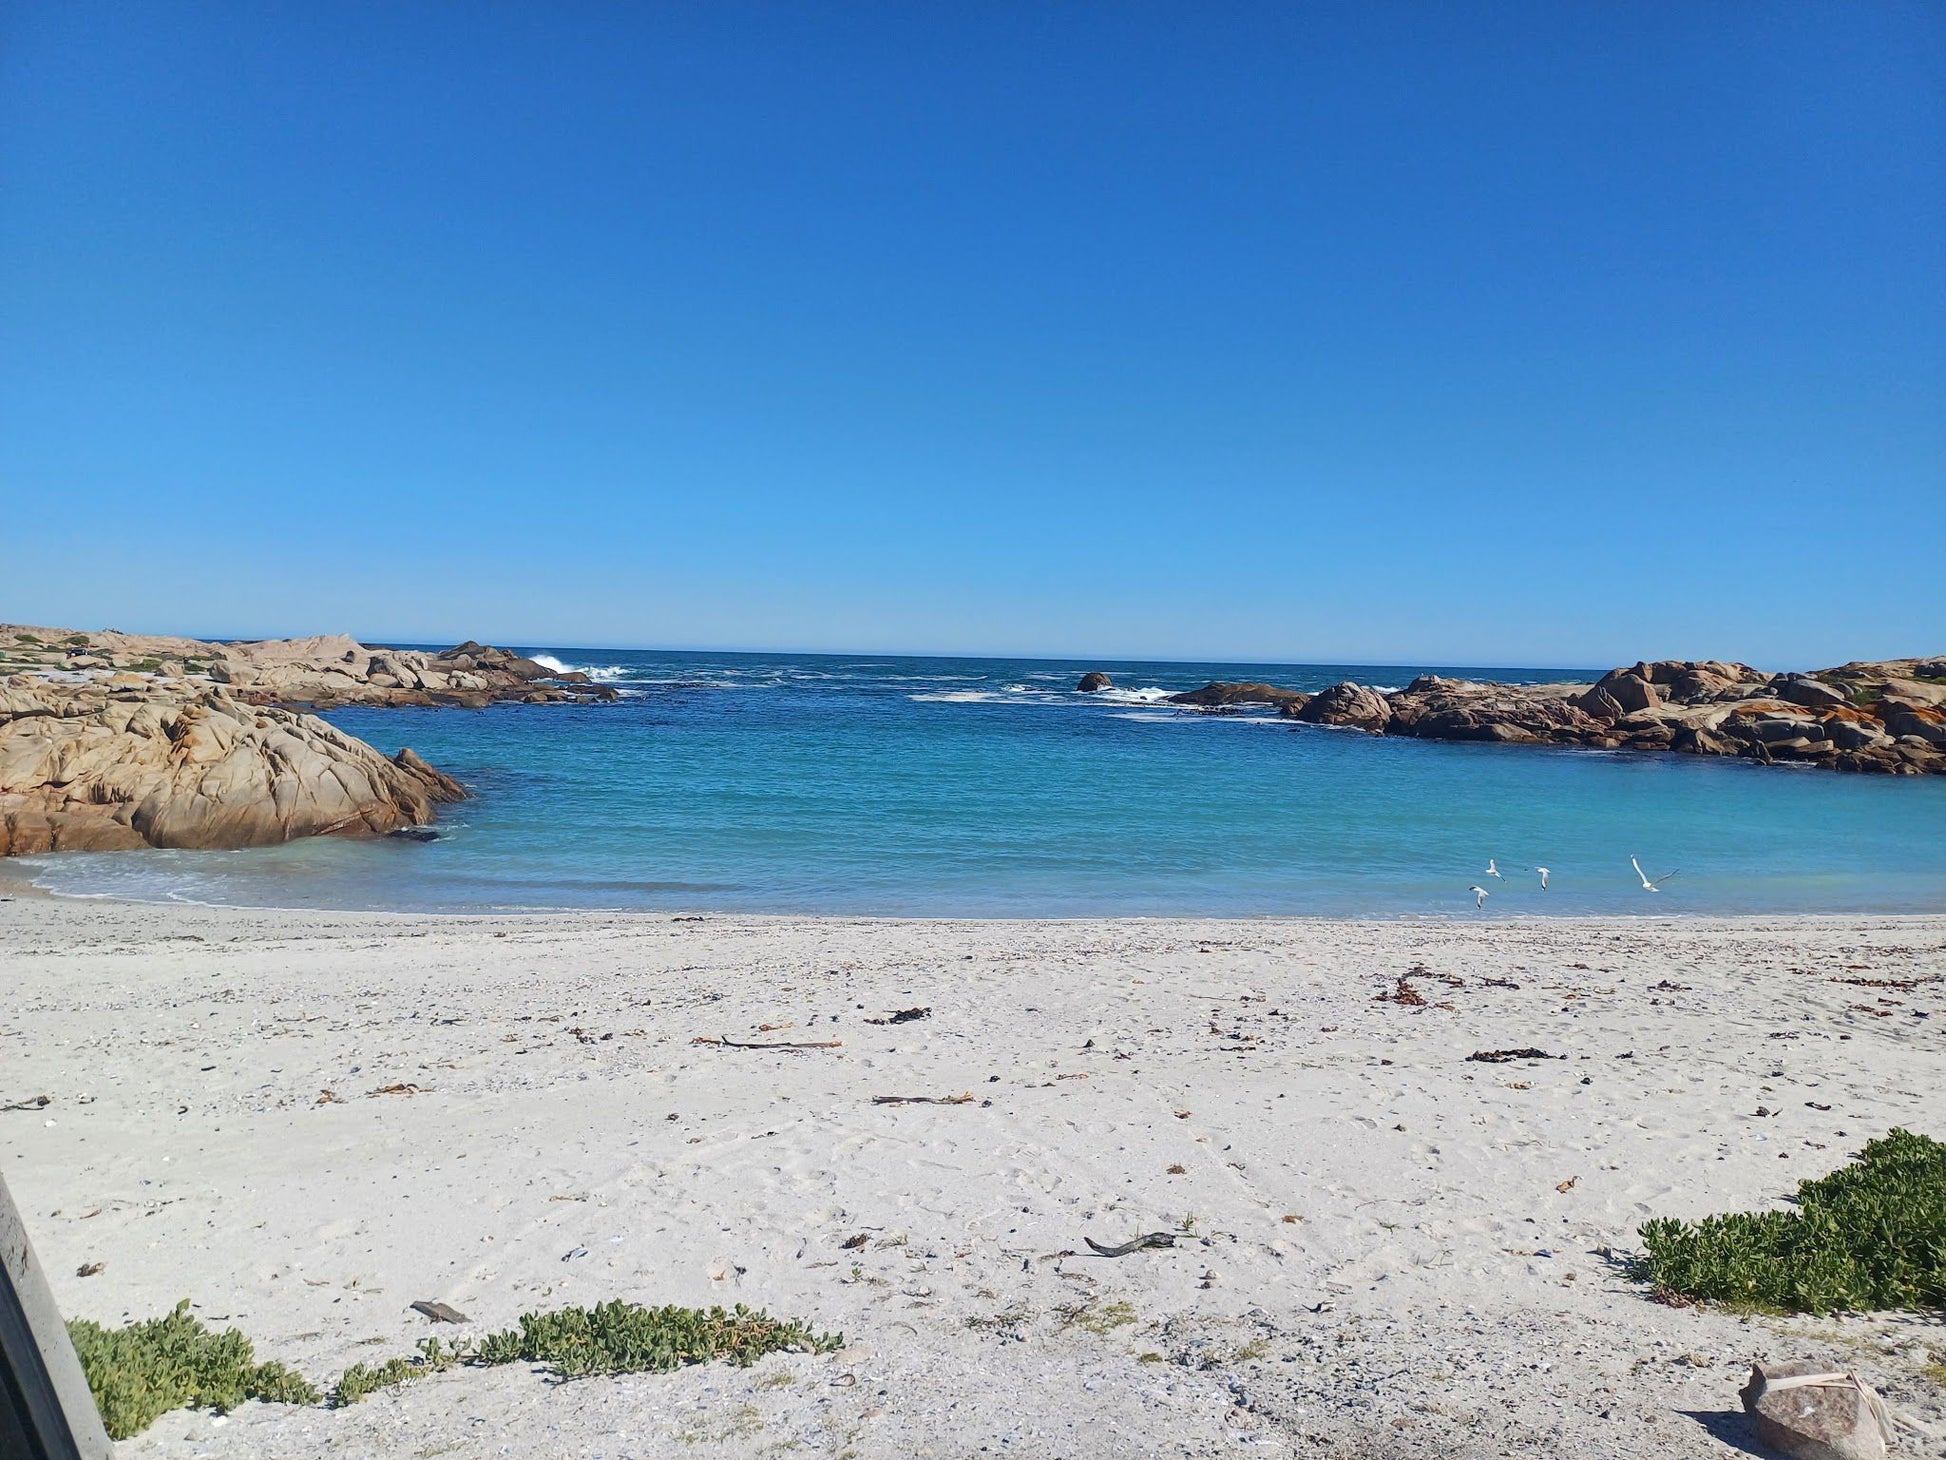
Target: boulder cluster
{"x":131,"y":760}
{"x":111,"y":740}
{"x":321,"y":672}
{"x":1887,"y":717}
{"x":469,"y":676}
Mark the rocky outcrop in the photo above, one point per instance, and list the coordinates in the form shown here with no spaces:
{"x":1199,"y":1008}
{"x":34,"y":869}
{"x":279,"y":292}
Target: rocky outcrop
{"x":1093,"y":682}
{"x":1344,"y":704}
{"x":1221,"y":694}
{"x":140,"y":761}
{"x":321,"y":672}
{"x":1884,"y":717}
{"x":1432,"y":708}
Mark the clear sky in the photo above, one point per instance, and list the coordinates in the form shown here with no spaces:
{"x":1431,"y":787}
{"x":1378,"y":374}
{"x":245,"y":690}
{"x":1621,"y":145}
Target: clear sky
{"x":1498,"y":333}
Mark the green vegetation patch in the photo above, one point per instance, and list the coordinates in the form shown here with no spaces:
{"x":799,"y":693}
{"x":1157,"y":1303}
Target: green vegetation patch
{"x":627,"y":1338}
{"x":361,"y":1380}
{"x":143,"y":1371}
{"x":1871,"y":1235}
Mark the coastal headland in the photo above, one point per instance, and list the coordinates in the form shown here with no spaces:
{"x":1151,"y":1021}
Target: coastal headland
{"x":1403,"y":1164}
{"x":1887,"y":716}
{"x":112,"y":741}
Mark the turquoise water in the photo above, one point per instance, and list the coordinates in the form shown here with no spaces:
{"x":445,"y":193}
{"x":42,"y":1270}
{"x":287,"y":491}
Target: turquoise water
{"x":982,"y":787}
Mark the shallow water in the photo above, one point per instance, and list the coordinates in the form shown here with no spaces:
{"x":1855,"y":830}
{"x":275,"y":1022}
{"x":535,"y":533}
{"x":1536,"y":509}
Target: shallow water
{"x":983,"y":787}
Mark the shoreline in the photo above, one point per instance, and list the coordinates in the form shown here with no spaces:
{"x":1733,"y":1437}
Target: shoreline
{"x":1127,"y":1074}
{"x":17,"y":879}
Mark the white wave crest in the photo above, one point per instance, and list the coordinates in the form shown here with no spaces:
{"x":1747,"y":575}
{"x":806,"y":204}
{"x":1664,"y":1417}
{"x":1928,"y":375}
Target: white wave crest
{"x":602,"y":672}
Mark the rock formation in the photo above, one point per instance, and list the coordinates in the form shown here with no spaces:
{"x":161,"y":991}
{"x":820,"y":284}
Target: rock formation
{"x":321,"y":672}
{"x":1886,"y":717}
{"x":133,"y":760}
{"x":1221,"y":694}
{"x":1093,"y":681}
{"x":1344,"y":704}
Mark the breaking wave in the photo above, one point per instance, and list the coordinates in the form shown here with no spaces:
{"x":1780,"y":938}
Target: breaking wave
{"x":602,"y":672}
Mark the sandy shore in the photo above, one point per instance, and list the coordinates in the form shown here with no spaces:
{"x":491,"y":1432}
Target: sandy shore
{"x":1395,"y":1251}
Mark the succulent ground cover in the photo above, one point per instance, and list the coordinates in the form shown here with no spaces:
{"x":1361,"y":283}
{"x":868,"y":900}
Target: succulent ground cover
{"x":1870,"y":1236}
{"x":140,"y":1372}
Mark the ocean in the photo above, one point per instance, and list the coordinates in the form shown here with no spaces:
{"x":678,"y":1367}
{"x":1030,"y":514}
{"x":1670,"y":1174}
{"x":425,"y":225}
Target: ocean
{"x":866,"y":784}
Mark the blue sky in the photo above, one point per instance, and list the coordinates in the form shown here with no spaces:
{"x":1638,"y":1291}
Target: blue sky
{"x":1547,"y":334}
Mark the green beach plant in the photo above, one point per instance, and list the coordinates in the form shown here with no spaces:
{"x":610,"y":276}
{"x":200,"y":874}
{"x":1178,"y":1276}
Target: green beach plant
{"x":627,"y":1338}
{"x":1871,"y":1235}
{"x":141,"y":1372}
{"x":361,"y":1380}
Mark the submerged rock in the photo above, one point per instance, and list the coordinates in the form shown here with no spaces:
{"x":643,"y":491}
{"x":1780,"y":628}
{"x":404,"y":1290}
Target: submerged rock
{"x":1222,"y":692}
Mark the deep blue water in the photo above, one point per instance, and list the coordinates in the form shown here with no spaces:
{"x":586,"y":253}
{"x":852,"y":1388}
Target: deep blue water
{"x":978,"y":787}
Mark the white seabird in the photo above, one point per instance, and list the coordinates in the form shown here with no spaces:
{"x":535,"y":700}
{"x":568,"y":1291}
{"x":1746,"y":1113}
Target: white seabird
{"x":1649,"y":885}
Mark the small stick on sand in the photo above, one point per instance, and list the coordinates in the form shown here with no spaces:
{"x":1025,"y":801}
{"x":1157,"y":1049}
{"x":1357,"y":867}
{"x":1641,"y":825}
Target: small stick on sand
{"x":966,"y":1099}
{"x":1134,"y":1244}
{"x":725,"y":1042}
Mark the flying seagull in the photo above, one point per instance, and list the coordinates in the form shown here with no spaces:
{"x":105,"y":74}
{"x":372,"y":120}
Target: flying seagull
{"x":1479,"y":895}
{"x":1492,"y":870}
{"x":1543,"y":872}
{"x":1647,"y":885}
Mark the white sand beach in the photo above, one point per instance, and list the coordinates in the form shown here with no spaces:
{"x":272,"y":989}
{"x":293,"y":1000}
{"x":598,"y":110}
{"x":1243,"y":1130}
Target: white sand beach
{"x":1389,"y":1249}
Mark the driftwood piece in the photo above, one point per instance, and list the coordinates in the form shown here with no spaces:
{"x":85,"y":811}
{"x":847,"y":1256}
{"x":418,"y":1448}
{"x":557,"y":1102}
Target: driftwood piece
{"x":966,"y":1099}
{"x":723,"y":1041}
{"x":38,"y":1102}
{"x":439,"y":1312}
{"x":1134,"y":1244}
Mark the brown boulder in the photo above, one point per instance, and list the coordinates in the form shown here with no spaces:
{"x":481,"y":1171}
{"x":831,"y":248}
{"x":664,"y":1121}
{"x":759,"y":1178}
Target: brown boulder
{"x":1801,"y":689}
{"x":180,"y":764}
{"x":1926,"y":725}
{"x":1093,"y":682}
{"x":1348,"y":704}
{"x":1914,"y":692}
{"x":1806,"y":1410}
{"x":1632,"y":689}
{"x":1850,"y":734}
